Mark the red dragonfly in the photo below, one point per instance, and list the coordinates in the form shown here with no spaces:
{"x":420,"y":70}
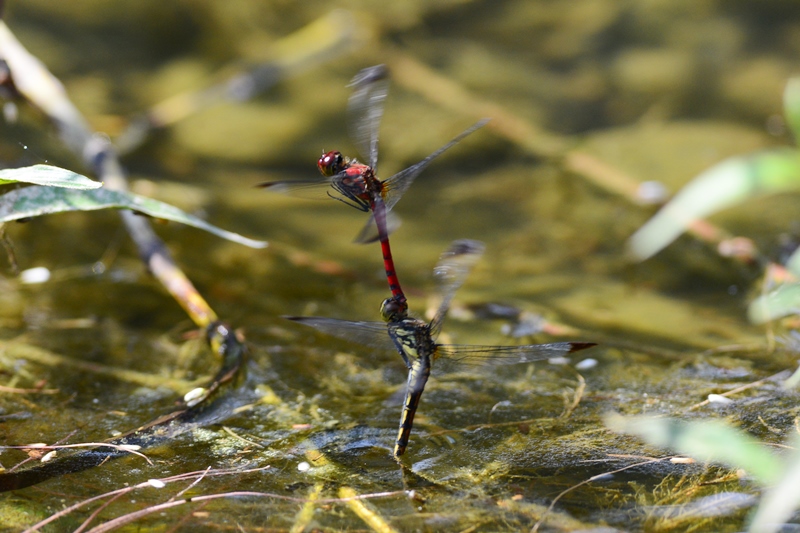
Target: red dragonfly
{"x":356,"y":183}
{"x":415,"y":340}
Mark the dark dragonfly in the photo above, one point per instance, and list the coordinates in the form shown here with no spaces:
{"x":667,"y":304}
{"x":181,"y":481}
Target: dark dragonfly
{"x":415,"y":340}
{"x":357,"y":184}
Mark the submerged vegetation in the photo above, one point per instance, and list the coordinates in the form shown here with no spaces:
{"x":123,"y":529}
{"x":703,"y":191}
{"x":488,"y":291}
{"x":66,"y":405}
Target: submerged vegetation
{"x":117,"y":411}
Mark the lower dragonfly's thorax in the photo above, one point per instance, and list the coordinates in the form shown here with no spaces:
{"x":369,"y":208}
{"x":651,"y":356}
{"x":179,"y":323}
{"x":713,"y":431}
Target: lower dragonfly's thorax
{"x":413,"y":337}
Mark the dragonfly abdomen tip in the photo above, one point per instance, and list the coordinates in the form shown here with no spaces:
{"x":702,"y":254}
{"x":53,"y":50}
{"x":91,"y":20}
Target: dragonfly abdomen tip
{"x":576,"y":346}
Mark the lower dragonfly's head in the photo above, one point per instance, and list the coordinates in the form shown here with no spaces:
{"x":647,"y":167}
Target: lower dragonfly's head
{"x":394,"y":309}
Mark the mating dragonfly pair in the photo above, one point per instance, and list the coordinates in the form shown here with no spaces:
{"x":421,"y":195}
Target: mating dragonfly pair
{"x":415,"y":340}
{"x":356,"y":183}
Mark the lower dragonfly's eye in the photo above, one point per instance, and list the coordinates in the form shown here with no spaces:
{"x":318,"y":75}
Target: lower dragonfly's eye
{"x":394,"y":309}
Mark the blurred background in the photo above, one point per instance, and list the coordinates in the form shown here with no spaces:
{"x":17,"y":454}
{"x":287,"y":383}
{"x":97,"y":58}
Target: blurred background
{"x":600,"y":110}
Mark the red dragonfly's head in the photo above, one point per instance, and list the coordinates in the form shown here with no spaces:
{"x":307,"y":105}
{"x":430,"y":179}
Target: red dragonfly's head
{"x":331,"y":163}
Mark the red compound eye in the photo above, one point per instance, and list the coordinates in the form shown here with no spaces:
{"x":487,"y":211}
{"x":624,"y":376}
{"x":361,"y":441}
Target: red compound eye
{"x":330,"y":163}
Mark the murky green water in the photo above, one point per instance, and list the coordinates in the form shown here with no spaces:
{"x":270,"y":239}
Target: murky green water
{"x":656,"y":90}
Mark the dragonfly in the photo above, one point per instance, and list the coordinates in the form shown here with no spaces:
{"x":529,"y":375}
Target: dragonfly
{"x":356,"y":184}
{"x":415,"y":340}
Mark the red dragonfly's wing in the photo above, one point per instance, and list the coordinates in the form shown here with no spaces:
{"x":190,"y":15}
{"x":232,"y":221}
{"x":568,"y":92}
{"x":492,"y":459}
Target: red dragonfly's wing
{"x":318,"y":188}
{"x":397,"y":185}
{"x":365,"y":110}
{"x":313,"y":188}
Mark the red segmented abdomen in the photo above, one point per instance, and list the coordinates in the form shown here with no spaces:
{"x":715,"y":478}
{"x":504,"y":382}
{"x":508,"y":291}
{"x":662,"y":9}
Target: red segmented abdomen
{"x":379,"y":212}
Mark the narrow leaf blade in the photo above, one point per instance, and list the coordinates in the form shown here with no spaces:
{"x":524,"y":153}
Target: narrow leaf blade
{"x":782,"y":301}
{"x":791,"y":106}
{"x":706,"y":440}
{"x":780,"y":501}
{"x":37,"y":201}
{"x":722,"y":186}
{"x":49,"y":176}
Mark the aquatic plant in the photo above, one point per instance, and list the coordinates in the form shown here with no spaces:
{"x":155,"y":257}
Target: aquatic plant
{"x":727,"y":184}
{"x":56,"y":190}
{"x":716,"y":442}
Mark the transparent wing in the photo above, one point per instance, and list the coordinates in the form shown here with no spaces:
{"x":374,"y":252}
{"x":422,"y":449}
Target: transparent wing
{"x":450,"y":272}
{"x":397,"y":185}
{"x":454,"y":356}
{"x":371,"y":334}
{"x":365,"y":110}
{"x":374,"y":229}
{"x":316,"y":188}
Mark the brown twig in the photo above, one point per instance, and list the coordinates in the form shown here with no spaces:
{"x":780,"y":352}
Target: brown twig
{"x":132,"y":517}
{"x":737,"y":390}
{"x":121,"y":447}
{"x":35,"y":83}
{"x":233,"y":434}
{"x":8,"y":246}
{"x":15,"y":390}
{"x":44,"y":91}
{"x":30,"y":458}
{"x":120,"y":492}
{"x":18,"y":349}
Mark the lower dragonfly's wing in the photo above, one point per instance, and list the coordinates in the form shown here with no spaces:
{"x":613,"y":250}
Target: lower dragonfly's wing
{"x":371,"y":334}
{"x":450,"y":272}
{"x":454,"y":356}
{"x":397,"y":185}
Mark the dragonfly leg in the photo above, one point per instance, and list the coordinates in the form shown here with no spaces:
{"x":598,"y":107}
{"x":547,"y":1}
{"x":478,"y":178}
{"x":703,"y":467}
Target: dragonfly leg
{"x":349,"y":198}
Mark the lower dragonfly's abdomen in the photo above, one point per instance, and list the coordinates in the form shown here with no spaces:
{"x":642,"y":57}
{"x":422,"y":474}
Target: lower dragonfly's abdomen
{"x":417,"y":378}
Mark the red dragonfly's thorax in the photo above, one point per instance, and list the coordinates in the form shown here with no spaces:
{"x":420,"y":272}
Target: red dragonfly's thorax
{"x":356,"y":179}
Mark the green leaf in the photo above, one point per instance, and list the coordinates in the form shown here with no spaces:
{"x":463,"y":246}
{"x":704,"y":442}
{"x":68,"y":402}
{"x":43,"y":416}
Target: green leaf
{"x":36,"y":201}
{"x":780,"y":501}
{"x":48,"y":175}
{"x":707,"y":440}
{"x":722,"y":186}
{"x":782,"y":301}
{"x":793,"y":263}
{"x":791,"y":106}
